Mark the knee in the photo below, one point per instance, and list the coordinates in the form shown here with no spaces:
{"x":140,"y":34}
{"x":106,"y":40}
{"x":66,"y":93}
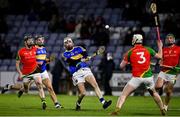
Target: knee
{"x":168,"y":92}
{"x":157,"y":86}
{"x":39,"y":85}
{"x":82,"y":93}
{"x":50,"y":89}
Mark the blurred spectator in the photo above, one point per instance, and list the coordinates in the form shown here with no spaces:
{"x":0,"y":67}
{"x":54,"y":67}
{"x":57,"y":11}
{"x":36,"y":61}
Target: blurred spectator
{"x":88,"y":27}
{"x":101,"y":37}
{"x":71,"y":24}
{"x":56,"y":75}
{"x":100,"y":34}
{"x":19,"y":6}
{"x":107,"y":66}
{"x":132,"y":10}
{"x":128,"y":37}
{"x":4,"y":7}
{"x":32,"y":16}
{"x":62,"y":24}
{"x":115,"y":3}
{"x":36,"y":5}
{"x":100,"y":22}
{"x":178,"y":42}
{"x":138,"y":30}
{"x":57,"y":24}
{"x":78,"y":28}
{"x":47,"y":10}
{"x":5,"y":51}
{"x":84,"y":31}
{"x":54,"y":23}
{"x":170,"y":25}
{"x":3,"y":25}
{"x":127,"y":11}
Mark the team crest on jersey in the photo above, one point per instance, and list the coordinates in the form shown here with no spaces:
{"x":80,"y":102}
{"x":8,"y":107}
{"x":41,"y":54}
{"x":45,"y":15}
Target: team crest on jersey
{"x":170,"y":51}
{"x":25,"y":53}
{"x":72,"y":54}
{"x":76,"y":52}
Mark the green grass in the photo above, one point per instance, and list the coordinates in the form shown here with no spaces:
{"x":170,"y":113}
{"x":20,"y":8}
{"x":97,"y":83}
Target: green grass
{"x":30,"y":105}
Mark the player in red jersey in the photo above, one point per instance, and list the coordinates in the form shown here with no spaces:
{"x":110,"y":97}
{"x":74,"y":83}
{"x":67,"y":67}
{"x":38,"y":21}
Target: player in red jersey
{"x":27,"y":57}
{"x":28,"y":68}
{"x":167,"y":76}
{"x":139,"y":57}
{"x":43,"y":60}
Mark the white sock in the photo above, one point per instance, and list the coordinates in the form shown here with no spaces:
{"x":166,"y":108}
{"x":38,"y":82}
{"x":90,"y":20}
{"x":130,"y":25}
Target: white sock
{"x":103,"y":102}
{"x":9,"y":87}
{"x":78,"y":104}
{"x":166,"y":107}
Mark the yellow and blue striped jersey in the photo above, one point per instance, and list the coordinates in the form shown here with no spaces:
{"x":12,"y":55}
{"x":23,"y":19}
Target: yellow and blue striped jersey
{"x":73,"y":58}
{"x":41,"y":57}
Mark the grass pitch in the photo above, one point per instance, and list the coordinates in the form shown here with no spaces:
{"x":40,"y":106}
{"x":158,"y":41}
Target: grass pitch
{"x":30,"y":105}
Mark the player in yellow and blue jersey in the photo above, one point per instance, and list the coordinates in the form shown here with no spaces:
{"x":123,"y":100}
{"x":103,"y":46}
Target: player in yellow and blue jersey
{"x":42,"y":60}
{"x":75,"y":57}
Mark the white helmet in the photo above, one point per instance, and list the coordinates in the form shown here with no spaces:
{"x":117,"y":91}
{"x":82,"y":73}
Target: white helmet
{"x":137,"y":38}
{"x":67,"y":39}
{"x":68,"y":43}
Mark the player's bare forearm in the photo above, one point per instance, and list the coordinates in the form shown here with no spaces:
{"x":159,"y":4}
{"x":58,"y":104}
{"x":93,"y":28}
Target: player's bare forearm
{"x":50,"y":59}
{"x":18,"y":67}
{"x":47,"y":60}
{"x":160,"y":51}
{"x":88,"y":58}
{"x":123,"y":64}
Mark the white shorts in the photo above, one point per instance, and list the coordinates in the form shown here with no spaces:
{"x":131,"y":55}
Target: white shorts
{"x":137,"y":81}
{"x":167,"y":77}
{"x":31,"y":77}
{"x":80,"y":75}
{"x":44,"y":75}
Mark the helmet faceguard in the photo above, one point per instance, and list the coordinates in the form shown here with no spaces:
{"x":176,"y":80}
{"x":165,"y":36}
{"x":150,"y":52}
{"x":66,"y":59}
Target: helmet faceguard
{"x":29,"y":40}
{"x":170,"y":39}
{"x":137,"y":39}
{"x":39,"y":40}
{"x":68,"y":43}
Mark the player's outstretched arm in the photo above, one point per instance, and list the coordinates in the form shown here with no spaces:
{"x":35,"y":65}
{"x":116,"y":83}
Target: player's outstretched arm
{"x":18,"y":68}
{"x":123,"y":64}
{"x":160,"y":45}
{"x":51,"y":58}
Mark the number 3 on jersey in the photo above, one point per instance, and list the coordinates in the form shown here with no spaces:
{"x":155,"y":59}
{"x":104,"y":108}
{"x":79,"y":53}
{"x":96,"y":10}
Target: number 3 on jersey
{"x":143,"y":59}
